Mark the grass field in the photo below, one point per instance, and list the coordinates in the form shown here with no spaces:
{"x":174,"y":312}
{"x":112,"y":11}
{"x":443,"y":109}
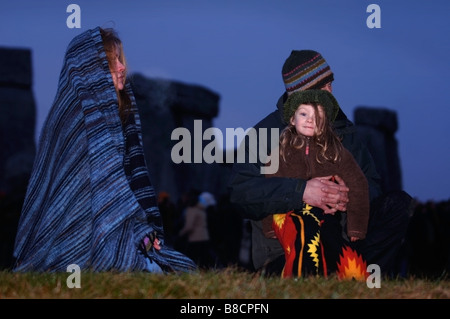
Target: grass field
{"x":229,"y":283}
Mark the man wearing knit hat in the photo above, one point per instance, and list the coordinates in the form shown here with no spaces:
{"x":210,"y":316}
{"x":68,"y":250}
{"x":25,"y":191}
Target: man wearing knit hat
{"x":259,"y":197}
{"x":306,"y":70}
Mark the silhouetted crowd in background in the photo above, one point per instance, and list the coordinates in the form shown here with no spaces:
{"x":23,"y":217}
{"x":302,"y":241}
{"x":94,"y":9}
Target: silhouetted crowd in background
{"x":225,"y":229}
{"x":427,"y":247}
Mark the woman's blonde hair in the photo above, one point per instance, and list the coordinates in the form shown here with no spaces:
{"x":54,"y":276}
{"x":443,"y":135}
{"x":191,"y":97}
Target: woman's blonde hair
{"x":111,"y":42}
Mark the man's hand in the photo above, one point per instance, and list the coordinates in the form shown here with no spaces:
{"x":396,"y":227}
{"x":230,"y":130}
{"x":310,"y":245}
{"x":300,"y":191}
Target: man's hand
{"x":326,"y":194}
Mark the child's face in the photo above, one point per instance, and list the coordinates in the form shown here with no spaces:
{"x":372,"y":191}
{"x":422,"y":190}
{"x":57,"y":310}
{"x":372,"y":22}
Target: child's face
{"x":304,"y":119}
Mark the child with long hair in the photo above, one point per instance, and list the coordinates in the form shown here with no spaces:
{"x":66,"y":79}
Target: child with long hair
{"x":309,"y":148}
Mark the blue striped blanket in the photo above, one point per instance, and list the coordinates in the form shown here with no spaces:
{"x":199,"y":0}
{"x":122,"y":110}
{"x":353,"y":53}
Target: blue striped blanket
{"x":90,"y":201}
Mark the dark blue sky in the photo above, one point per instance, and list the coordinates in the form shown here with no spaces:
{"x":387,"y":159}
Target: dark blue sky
{"x":237,"y":49}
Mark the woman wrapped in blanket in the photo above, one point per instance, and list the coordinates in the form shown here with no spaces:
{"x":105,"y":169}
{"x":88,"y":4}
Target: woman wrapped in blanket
{"x":89,"y":200}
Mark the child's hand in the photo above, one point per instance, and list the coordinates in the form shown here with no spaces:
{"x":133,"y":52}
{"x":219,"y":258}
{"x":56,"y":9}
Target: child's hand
{"x":156,"y":243}
{"x":150,"y":240}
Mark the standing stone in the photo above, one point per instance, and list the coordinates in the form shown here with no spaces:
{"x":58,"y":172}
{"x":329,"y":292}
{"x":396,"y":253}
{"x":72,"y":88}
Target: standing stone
{"x":165,"y":105}
{"x":17,"y":127}
{"x":377,"y":127}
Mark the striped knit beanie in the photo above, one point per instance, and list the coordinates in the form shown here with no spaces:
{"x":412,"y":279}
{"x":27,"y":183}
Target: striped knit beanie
{"x":305,"y":69}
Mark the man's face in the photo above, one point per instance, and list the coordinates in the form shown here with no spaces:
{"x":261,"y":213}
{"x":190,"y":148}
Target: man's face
{"x":328,"y":87}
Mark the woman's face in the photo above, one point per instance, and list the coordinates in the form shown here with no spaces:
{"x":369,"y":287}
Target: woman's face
{"x":117,"y":70}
